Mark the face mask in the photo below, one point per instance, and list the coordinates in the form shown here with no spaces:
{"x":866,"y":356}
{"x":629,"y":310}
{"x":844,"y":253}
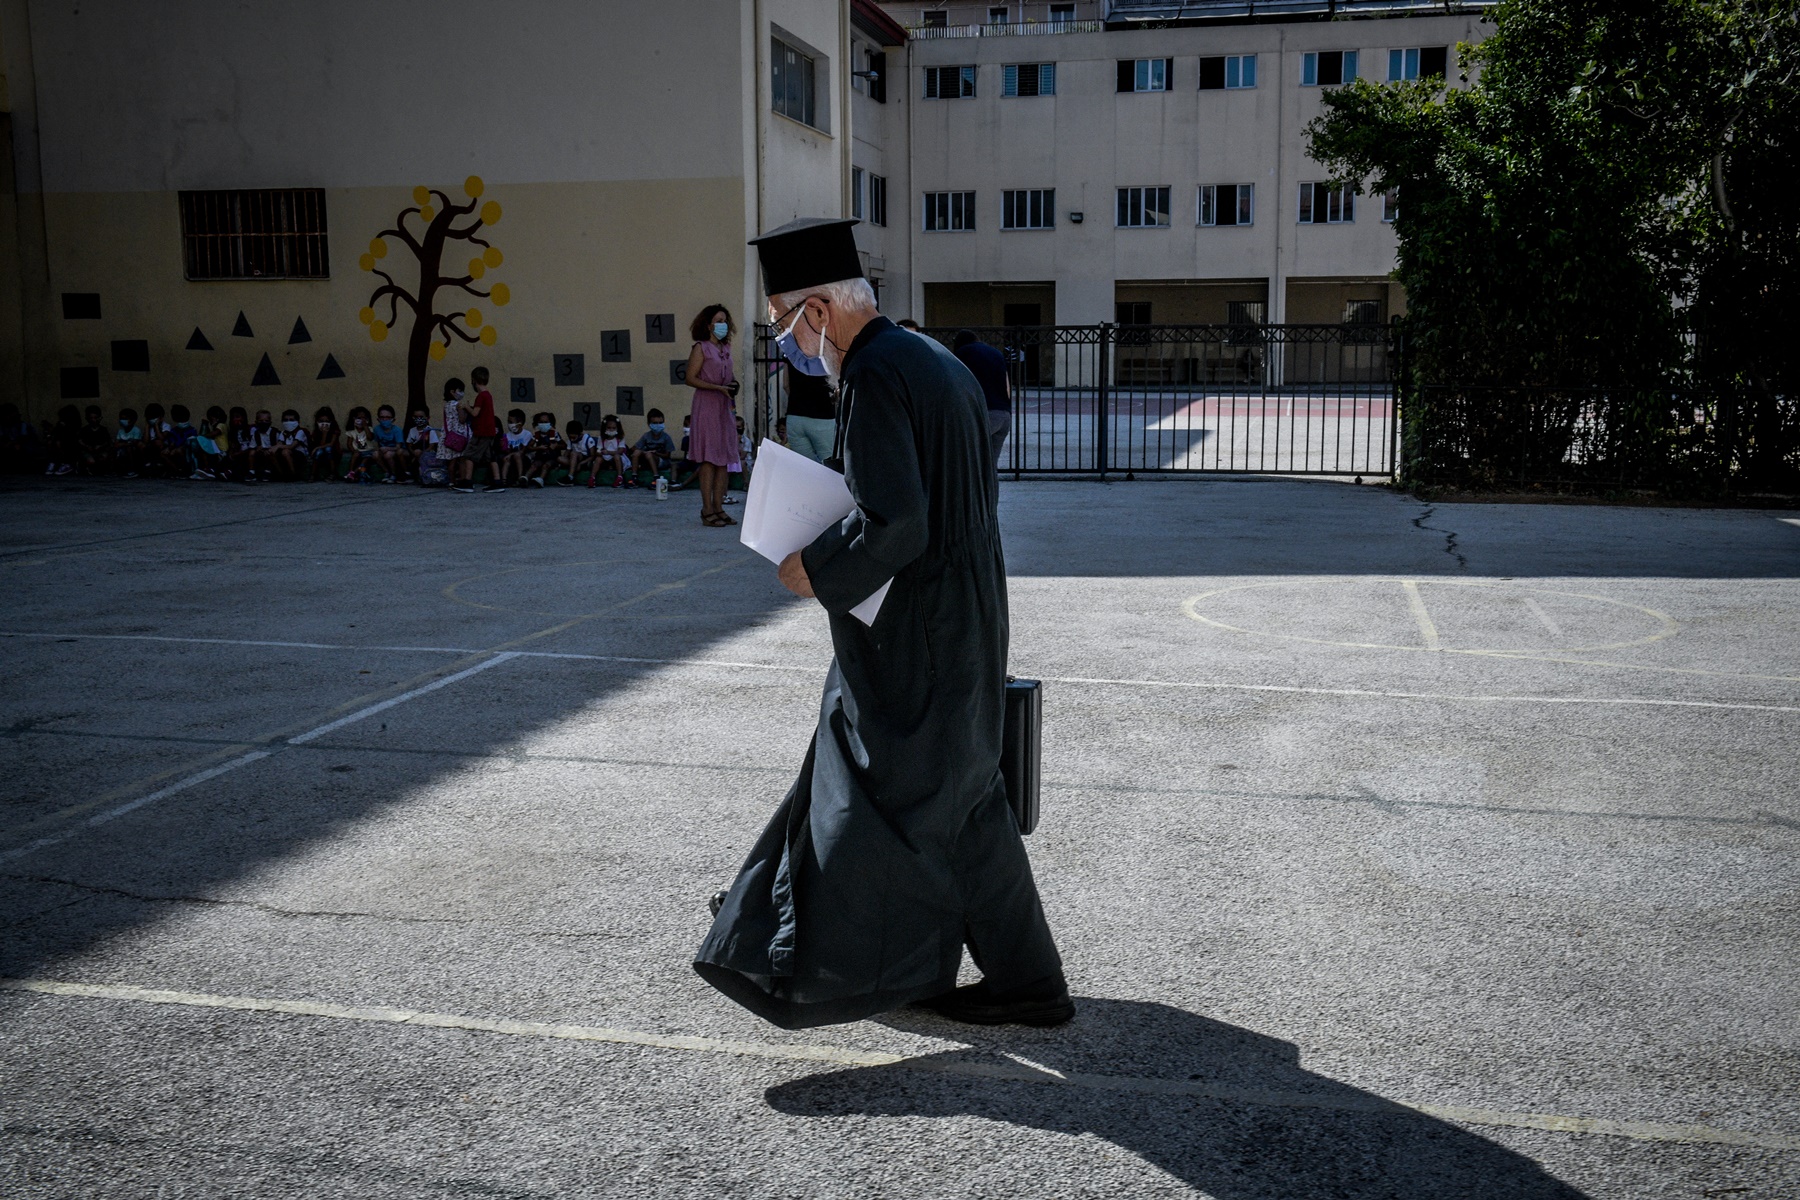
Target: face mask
{"x":721,"y":330}
{"x":545,"y":427}
{"x":386,"y":422}
{"x":456,"y":396}
{"x":802,"y":362}
{"x":515,"y":426}
{"x":656,"y":427}
{"x":419,"y":421}
{"x":124,"y":424}
{"x":290,"y":426}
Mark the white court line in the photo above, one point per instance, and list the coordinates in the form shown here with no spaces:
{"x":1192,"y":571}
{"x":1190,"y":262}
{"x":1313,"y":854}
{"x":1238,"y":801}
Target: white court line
{"x":1614,"y":701}
{"x":245,"y":760}
{"x":1537,"y":610}
{"x":1416,"y":602}
{"x":1016,"y":1070}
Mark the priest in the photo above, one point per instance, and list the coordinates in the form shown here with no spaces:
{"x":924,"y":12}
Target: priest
{"x":895,"y":848}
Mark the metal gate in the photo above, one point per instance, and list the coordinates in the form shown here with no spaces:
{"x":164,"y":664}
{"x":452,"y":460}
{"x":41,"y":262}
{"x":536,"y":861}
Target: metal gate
{"x":1134,"y":399}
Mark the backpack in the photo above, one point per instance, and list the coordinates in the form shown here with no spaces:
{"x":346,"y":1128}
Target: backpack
{"x":432,"y":472}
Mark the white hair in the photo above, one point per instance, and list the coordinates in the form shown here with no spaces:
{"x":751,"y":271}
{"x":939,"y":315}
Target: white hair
{"x":851,"y":295}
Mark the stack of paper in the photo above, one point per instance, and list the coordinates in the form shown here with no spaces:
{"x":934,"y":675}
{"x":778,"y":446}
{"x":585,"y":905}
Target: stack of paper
{"x":793,"y":500}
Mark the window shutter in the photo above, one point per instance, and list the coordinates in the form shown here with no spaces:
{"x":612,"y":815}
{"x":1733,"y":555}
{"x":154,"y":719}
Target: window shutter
{"x":1127,"y":75}
{"x":1306,"y":204}
{"x":930,"y":83}
{"x":1047,"y":79}
{"x":1434,"y":60}
{"x":1212,"y":74}
{"x":1009,"y":80}
{"x":968,"y":80}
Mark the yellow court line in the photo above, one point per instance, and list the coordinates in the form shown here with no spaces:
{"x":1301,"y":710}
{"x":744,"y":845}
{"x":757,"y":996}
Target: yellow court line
{"x":276,"y":739}
{"x":1013,"y":1070}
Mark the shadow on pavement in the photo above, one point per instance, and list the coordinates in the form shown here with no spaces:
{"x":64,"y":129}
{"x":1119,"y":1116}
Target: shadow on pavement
{"x":1236,"y":1117}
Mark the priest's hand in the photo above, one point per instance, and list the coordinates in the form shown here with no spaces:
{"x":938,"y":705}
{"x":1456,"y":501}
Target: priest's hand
{"x":793,"y":576}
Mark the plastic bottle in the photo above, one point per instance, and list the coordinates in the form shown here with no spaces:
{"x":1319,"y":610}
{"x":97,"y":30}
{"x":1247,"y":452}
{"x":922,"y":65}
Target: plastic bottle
{"x":662,"y":488}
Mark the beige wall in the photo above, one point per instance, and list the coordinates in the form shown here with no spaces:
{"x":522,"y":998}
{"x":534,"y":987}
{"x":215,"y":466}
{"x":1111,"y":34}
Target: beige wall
{"x":630,"y":147}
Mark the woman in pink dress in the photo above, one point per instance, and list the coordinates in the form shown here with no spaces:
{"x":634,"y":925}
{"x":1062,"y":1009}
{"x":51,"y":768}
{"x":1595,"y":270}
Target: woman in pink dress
{"x":712,"y":432}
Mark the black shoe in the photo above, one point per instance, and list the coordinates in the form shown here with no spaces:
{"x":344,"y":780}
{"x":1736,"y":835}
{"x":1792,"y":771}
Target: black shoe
{"x":493,"y":487}
{"x":461,"y":487}
{"x":716,"y":903}
{"x":1042,"y":1004}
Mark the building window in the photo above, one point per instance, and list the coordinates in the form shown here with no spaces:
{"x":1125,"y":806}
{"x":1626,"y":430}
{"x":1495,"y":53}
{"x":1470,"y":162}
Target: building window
{"x":1244,"y":312}
{"x":949,"y":212}
{"x":877,"y":68}
{"x":793,"y":84}
{"x":856,"y":192}
{"x":1364,"y":320}
{"x":1143,"y":207}
{"x":1390,"y":206}
{"x":1146,"y":74}
{"x":996,"y":16}
{"x":1028,"y":79}
{"x":1132,"y":312}
{"x":856,"y":52}
{"x":271,"y":234}
{"x":949,"y":83}
{"x":1031,"y":208}
{"x":1228,"y":71}
{"x":1228,"y":204}
{"x":1322,"y":204}
{"x":1422,"y":63}
{"x":1062,"y":14}
{"x":933,"y":18}
{"x":878,"y":200}
{"x":1327,"y":68}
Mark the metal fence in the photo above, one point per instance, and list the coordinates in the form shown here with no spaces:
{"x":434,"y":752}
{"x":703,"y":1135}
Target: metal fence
{"x":1135,"y":399}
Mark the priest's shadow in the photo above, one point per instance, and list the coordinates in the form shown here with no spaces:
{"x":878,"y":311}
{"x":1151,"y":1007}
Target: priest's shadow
{"x":1271,"y":1130}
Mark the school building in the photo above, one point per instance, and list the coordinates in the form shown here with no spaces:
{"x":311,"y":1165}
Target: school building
{"x":340,"y":203}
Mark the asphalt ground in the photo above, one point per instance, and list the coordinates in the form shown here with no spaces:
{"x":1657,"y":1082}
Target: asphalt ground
{"x":356,"y":841}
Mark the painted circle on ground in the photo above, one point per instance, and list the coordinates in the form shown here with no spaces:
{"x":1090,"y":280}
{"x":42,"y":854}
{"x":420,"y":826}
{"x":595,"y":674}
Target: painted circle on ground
{"x":1443,"y":615}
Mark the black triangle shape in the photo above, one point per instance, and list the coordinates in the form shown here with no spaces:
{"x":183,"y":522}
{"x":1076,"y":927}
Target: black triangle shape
{"x":331,"y":370}
{"x":299,"y":335}
{"x":265,"y":374}
{"x":242,"y":328}
{"x":198,"y":341}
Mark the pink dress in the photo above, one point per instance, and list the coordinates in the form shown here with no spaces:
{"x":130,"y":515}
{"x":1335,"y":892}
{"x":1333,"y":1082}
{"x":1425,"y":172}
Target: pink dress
{"x":712,"y":425}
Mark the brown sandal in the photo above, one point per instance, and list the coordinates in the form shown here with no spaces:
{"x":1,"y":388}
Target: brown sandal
{"x":716,"y":520}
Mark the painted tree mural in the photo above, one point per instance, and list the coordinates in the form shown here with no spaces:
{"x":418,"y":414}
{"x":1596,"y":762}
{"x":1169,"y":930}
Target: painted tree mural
{"x":432,"y":330}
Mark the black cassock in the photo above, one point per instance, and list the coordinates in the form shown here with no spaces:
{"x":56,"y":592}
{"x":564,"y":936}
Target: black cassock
{"x":896,"y":844}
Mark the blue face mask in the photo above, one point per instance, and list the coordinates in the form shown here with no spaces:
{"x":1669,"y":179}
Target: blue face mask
{"x":656,"y":427}
{"x":721,"y":330}
{"x":802,"y":362}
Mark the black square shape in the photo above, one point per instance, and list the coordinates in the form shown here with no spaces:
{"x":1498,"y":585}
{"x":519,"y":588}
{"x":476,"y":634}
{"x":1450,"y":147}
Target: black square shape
{"x":567,"y":370}
{"x":659,"y":327}
{"x":630,"y":401}
{"x":81,"y":306}
{"x":81,"y":383}
{"x":131,"y":356}
{"x":615,"y":345}
{"x":522,"y":389}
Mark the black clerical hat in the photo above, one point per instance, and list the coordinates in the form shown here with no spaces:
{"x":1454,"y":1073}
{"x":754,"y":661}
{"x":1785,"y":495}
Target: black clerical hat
{"x":806,"y":253}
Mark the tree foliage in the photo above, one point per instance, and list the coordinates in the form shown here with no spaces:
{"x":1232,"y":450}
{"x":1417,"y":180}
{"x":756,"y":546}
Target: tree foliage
{"x":432,"y":330}
{"x":1606,"y":179}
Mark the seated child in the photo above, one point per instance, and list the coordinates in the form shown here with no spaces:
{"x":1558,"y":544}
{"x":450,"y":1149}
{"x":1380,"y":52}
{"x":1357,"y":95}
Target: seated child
{"x":546,"y":449}
{"x":128,"y":444}
{"x":655,"y":450}
{"x":359,"y":440}
{"x":582,"y":448}
{"x":237,"y":444}
{"x":324,"y":448}
{"x":175,"y":441}
{"x":210,"y":446}
{"x":95,"y":442}
{"x":390,"y":444}
{"x":518,"y":449}
{"x":615,"y":452}
{"x":259,"y":444}
{"x":420,"y":438}
{"x":289,"y":451}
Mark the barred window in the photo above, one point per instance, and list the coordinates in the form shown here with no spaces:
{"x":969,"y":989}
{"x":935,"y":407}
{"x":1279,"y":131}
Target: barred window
{"x":1028,"y":79}
{"x":1143,"y":207}
{"x":1031,"y":208}
{"x":277,"y":233}
{"x":949,"y":83}
{"x":949,"y":212}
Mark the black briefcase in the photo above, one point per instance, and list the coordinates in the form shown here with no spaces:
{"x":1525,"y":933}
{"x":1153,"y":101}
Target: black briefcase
{"x":1022,"y":751}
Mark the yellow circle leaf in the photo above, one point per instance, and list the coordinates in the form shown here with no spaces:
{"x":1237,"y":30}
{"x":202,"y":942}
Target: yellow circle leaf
{"x":490,"y":213}
{"x":366,"y":262}
{"x":437,"y":352}
{"x":473,"y":317}
{"x":366,"y":315}
{"x":378,"y":331}
{"x":492,"y":256}
{"x":421,"y":194}
{"x":489,"y":336}
{"x":378,"y":248}
{"x":427,"y":213}
{"x":477,"y":268}
{"x":500,"y":295}
{"x":473,"y":187}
